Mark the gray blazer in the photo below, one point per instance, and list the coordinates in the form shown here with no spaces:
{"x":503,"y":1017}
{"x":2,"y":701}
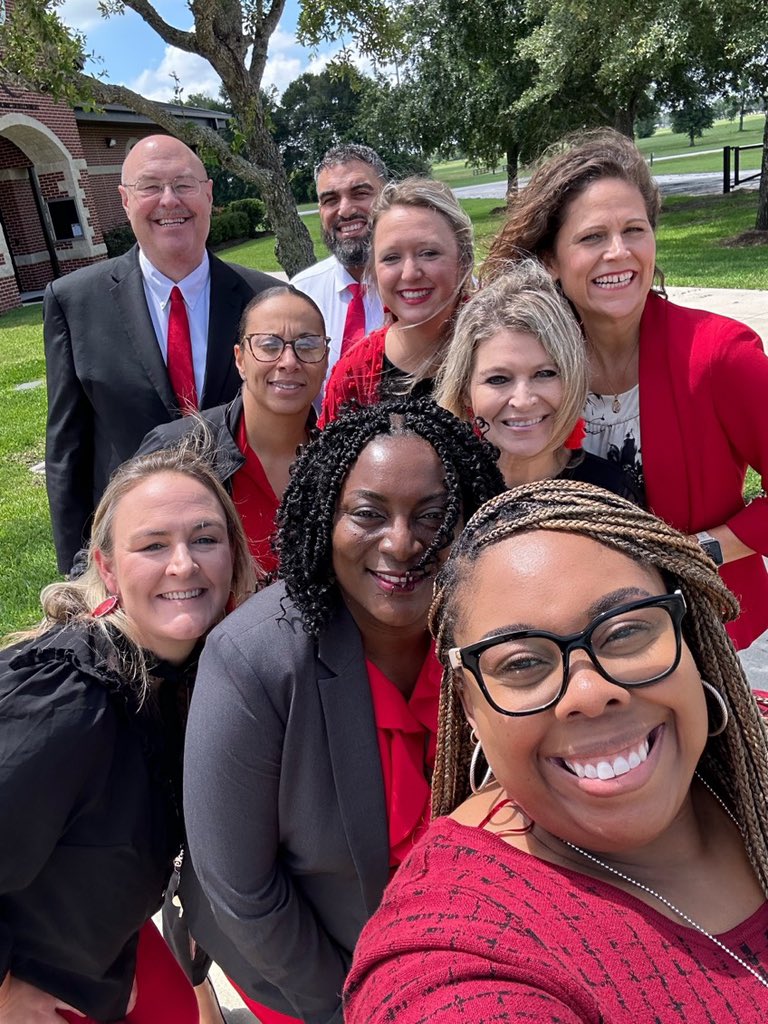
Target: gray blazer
{"x":107,"y":381}
{"x":284,"y":805}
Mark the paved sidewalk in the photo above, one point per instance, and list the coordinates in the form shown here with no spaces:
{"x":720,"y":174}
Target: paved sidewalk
{"x":748,"y":305}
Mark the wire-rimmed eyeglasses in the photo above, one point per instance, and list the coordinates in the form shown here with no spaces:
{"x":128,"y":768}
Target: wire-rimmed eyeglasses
{"x":183,"y":185}
{"x":526,"y":671}
{"x":267,"y":348}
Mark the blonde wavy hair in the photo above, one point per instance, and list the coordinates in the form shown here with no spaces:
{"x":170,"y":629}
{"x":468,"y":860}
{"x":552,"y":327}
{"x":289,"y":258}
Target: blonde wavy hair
{"x":73,"y":601}
{"x":524,"y":299}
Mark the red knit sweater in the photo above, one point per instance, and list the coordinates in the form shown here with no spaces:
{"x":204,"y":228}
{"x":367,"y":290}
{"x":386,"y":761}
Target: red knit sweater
{"x":473,"y":930}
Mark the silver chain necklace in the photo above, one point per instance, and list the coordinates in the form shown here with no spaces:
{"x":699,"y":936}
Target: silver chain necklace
{"x":667,"y":903}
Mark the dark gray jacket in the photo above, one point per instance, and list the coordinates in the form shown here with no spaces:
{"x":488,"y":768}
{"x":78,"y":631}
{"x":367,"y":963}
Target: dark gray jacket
{"x":284,"y":804}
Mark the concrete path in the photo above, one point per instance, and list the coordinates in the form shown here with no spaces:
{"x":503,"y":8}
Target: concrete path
{"x":701,"y":184}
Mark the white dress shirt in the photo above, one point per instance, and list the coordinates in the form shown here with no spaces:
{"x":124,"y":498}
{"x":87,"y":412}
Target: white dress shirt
{"x":328,"y":283}
{"x":196,"y":289}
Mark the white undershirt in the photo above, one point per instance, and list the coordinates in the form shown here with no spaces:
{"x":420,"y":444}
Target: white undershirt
{"x":196,"y":289}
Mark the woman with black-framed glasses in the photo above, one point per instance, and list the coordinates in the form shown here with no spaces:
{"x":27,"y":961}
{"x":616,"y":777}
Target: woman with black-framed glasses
{"x":603,"y":768}
{"x":282,"y":356}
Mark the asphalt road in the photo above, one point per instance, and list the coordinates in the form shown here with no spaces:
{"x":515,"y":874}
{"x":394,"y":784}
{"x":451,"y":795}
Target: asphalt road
{"x":709,"y":183}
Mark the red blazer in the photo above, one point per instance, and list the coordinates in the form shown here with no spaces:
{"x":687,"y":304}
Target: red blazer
{"x":703,"y":420}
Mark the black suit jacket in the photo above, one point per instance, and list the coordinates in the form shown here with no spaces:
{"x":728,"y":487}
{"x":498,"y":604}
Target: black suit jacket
{"x":107,"y":381}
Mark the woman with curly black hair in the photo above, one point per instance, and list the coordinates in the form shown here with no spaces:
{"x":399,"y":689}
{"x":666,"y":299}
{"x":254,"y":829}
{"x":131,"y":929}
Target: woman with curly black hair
{"x":311,"y":738}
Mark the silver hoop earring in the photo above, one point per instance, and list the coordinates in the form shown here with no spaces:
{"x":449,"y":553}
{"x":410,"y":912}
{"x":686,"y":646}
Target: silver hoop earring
{"x":473,"y":766}
{"x":723,"y":708}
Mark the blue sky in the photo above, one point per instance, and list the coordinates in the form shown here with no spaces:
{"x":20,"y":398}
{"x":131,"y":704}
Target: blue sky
{"x":135,"y":56}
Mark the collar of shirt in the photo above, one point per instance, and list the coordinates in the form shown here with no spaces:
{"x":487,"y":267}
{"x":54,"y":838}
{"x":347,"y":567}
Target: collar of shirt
{"x":191,"y":287}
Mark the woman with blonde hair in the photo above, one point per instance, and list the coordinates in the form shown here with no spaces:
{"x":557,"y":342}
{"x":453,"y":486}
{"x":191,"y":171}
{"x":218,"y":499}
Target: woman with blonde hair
{"x":421,"y":261}
{"x":93,"y":705}
{"x":516,"y":368}
{"x":599,"y":848}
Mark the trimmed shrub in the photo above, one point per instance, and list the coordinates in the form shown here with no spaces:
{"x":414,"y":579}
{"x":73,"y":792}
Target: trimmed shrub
{"x":256,"y":212}
{"x":228,"y":225}
{"x":119,"y":240}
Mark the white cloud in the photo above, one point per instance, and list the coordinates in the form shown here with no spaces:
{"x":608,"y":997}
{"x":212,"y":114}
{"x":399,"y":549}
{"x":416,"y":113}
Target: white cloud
{"x":195,"y":75}
{"x":80,"y":14}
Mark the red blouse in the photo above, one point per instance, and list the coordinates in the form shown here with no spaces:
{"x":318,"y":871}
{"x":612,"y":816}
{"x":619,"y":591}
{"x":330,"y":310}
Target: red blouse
{"x":256,"y":503}
{"x":407,"y":733}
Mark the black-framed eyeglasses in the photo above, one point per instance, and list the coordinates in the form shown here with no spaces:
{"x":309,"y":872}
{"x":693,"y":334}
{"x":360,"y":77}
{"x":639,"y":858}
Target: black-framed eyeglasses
{"x":526,"y":671}
{"x":267,"y":348}
{"x":182,"y":185}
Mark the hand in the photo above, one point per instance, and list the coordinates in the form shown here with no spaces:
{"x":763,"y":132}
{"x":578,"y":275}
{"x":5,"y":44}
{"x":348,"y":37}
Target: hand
{"x":21,"y":1003}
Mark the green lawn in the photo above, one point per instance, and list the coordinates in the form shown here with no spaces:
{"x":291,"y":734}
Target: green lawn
{"x":689,"y":242}
{"x":26,"y":551}
{"x":688,"y":251}
{"x":663,"y":143}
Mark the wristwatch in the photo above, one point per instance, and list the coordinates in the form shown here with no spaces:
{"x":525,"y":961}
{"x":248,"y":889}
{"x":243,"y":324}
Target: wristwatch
{"x":711,"y":546}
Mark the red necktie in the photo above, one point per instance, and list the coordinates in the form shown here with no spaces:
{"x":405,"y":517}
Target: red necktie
{"x":180,"y":368}
{"x":354,"y":325}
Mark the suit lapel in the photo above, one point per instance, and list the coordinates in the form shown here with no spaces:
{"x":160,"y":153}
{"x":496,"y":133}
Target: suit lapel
{"x":127,"y":292}
{"x":352,"y":741}
{"x":229,"y":296}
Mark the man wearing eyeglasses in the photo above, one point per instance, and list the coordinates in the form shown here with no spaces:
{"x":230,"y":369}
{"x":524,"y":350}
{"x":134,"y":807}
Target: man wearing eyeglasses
{"x":138,"y":340}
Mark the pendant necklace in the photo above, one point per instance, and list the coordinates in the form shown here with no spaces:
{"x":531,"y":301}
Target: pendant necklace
{"x":667,"y":903}
{"x":616,"y":404}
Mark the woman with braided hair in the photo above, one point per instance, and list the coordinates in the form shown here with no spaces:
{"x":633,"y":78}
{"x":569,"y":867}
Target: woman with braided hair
{"x":603,"y":769}
{"x":311,"y":738}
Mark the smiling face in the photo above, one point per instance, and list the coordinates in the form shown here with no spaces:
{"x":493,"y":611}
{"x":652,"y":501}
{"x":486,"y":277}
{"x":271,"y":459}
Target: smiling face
{"x":171,"y":232}
{"x":416,"y":261}
{"x":288,"y":386}
{"x":659,"y":731}
{"x":171,"y":562}
{"x":605,"y":253}
{"x":517,"y":390}
{"x":391,"y":505}
{"x":345,"y":194}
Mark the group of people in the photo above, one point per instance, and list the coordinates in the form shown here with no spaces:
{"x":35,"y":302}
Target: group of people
{"x":485,"y":588}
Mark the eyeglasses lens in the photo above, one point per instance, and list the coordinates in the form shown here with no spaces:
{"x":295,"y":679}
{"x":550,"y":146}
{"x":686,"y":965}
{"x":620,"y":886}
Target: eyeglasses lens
{"x":268,"y":348}
{"x":633,"y":647}
{"x":184,"y":185}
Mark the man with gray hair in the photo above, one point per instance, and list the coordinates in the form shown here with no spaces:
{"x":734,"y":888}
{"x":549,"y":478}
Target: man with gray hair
{"x":348,"y":180}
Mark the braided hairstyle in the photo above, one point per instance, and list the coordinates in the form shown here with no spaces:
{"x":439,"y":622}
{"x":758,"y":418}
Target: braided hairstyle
{"x":735,"y":763}
{"x":306,"y":515}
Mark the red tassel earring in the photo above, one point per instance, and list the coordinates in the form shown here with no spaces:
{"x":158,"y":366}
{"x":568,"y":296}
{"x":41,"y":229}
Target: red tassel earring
{"x":109,"y":605}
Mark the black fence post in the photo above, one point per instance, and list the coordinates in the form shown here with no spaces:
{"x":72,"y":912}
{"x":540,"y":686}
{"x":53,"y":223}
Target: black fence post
{"x":726,"y":170}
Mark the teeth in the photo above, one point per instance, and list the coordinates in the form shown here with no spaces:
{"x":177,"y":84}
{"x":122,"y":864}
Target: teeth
{"x":181,"y":595}
{"x":416,"y":293}
{"x":347,"y":229}
{"x":284,"y":385}
{"x":171,"y":220}
{"x":615,"y":279}
{"x":620,"y":765}
{"x":522,"y":423}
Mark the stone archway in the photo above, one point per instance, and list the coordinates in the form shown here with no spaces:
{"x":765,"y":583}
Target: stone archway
{"x":44,"y":215}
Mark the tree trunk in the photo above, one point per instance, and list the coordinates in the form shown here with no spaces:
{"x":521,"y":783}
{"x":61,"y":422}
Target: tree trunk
{"x":513,"y":159}
{"x":624,"y":119}
{"x":761,"y":223}
{"x":293,"y":246}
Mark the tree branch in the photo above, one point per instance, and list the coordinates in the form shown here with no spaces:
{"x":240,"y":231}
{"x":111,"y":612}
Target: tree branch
{"x":192,"y":133}
{"x":171,"y":35}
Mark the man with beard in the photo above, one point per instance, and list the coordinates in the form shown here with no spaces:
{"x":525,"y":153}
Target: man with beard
{"x":348,"y":179}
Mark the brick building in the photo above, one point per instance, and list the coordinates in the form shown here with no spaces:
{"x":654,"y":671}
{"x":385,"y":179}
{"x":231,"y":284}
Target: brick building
{"x":59,"y":171}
